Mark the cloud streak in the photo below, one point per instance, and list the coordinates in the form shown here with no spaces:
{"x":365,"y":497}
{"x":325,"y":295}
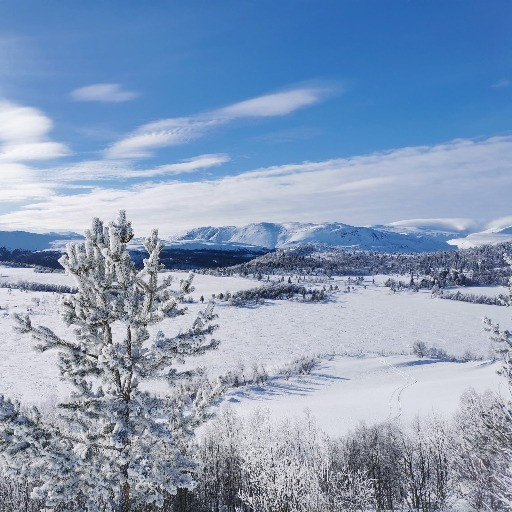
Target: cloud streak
{"x":180,"y":130}
{"x":103,"y":93}
{"x":97,"y":170}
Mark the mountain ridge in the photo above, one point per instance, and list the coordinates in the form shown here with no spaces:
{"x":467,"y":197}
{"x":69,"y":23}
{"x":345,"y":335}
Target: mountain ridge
{"x":279,"y":235}
{"x":419,"y":235}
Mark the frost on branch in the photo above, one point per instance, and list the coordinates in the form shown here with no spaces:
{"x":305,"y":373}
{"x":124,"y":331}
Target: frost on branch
{"x":116,"y":446}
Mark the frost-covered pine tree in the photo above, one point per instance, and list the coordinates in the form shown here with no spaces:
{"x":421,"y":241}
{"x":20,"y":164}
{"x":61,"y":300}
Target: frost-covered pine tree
{"x":498,"y":420}
{"x":116,"y":446}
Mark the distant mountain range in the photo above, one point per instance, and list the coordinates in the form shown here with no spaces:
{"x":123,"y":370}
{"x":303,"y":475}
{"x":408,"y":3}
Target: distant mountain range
{"x":28,"y":241}
{"x":404,"y":236}
{"x":271,"y":236}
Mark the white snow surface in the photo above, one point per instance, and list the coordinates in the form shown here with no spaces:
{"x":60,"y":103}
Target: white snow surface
{"x":490,"y":236}
{"x":367,"y":334}
{"x":346,"y":391}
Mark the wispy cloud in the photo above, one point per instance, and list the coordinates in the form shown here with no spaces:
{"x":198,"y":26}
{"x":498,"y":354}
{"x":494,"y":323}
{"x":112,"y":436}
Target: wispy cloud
{"x":105,"y":93}
{"x":180,"y":130}
{"x":277,"y":104}
{"x":97,"y":170}
{"x":501,"y":84}
{"x":24,"y":135}
{"x":21,"y":183}
{"x":462,"y":178}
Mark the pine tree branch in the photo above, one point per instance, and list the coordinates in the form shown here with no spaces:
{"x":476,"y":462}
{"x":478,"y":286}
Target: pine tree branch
{"x":47,"y":338}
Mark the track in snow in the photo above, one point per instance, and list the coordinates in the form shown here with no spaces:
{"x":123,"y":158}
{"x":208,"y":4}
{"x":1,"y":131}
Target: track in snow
{"x":395,"y":400}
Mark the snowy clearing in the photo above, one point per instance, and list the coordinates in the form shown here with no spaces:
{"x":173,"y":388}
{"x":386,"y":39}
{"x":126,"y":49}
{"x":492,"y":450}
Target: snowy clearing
{"x":369,"y":333}
{"x":343,"y":392}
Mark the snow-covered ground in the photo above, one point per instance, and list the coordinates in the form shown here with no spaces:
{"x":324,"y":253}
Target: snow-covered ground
{"x":368,"y":332}
{"x":488,"y":291}
{"x":15,"y":274}
{"x":343,"y":392}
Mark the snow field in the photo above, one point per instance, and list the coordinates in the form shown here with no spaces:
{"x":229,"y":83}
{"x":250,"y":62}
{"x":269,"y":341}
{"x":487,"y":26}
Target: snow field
{"x":374,"y":324}
{"x":343,"y":392}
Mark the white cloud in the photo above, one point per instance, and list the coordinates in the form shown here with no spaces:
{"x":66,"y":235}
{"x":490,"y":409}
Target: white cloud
{"x":180,"y":130}
{"x":105,"y":93}
{"x":22,"y":124}
{"x":501,"y":223}
{"x":186,"y":166}
{"x":277,"y":104}
{"x":96,"y":170}
{"x":462,"y":178}
{"x":32,"y":151}
{"x":170,"y":132}
{"x":23,"y":135}
{"x":443,"y":224}
{"x":21,"y":183}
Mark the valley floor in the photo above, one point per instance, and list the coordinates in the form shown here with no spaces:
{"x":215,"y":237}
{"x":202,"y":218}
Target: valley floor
{"x":364,"y":337}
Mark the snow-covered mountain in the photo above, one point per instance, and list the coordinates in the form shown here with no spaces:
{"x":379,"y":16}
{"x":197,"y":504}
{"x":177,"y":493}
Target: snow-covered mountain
{"x":415,"y":235}
{"x":273,"y":235}
{"x":490,"y":236}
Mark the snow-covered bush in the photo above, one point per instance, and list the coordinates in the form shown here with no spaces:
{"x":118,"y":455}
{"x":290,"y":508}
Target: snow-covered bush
{"x":420,"y":349}
{"x":38,"y":287}
{"x":279,"y":291}
{"x":499,"y":300}
{"x":302,"y":365}
{"x":259,"y":376}
{"x":116,"y":447}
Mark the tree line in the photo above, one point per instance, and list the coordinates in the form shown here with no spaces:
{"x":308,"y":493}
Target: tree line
{"x":465,"y":267}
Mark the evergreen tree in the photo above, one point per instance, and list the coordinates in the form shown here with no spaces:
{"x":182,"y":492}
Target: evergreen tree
{"x":116,"y":445}
{"x":498,"y":420}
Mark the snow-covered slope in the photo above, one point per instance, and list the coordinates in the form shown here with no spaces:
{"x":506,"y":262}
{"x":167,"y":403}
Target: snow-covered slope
{"x":272,"y":235}
{"x":490,"y":236}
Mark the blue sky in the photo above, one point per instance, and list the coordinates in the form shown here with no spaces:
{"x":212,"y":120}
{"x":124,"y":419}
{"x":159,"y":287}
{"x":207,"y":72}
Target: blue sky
{"x":227,"y":112}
